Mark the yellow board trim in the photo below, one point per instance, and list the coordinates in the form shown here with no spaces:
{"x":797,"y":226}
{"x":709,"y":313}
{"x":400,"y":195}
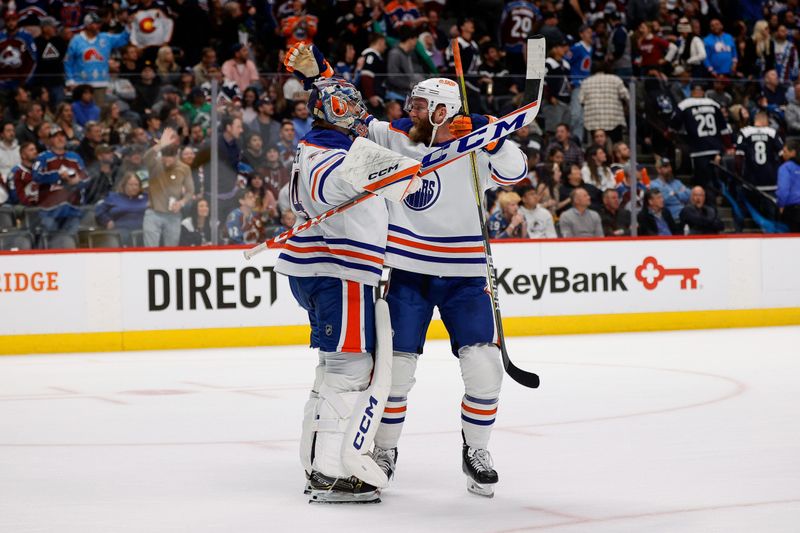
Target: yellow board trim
{"x":283,"y":335}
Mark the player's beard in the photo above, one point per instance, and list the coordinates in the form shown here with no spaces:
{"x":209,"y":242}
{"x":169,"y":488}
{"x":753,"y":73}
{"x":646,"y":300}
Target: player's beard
{"x":421,"y":131}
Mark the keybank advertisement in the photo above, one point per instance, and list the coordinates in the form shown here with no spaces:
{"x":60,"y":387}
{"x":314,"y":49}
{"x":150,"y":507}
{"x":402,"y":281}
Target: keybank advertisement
{"x":196,"y":289}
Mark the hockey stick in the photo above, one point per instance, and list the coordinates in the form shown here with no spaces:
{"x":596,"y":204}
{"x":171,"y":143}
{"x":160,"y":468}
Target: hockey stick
{"x":527,"y":379}
{"x":445,"y":154}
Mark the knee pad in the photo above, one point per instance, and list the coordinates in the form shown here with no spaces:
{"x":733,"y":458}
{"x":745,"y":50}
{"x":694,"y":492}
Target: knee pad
{"x":347,"y":371}
{"x":404,"y":365}
{"x":481,"y":370}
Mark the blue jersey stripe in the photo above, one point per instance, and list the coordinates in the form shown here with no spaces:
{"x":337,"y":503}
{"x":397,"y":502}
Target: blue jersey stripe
{"x":321,"y":185}
{"x":503,"y":178}
{"x":393,"y":420}
{"x":334,"y":260}
{"x":311,"y":174}
{"x":430,"y":259}
{"x":477,"y":422}
{"x":399,"y":229}
{"x":480,"y":401}
{"x":396,"y":399}
{"x":348,"y":242}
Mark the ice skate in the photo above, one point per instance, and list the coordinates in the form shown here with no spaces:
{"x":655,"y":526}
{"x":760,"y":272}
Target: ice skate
{"x":386,"y":459}
{"x":325,"y":489}
{"x":481,"y":476}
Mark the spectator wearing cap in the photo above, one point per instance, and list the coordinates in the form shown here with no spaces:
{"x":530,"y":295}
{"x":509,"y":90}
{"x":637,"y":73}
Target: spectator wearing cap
{"x":170,"y":189}
{"x":62,"y":177}
{"x":786,"y":57}
{"x":147,"y":89}
{"x":675,"y":193}
{"x":87,"y":56}
{"x":264,"y":123}
{"x":123,"y":209}
{"x":616,"y":222}
{"x":579,"y":220}
{"x":721,"y":54}
{"x":240,"y":69}
{"x":103,"y":174}
{"x":51,"y":49}
{"x":653,"y":218}
{"x":196,"y":108}
{"x":538,"y":219}
{"x":701,"y":219}
{"x":604,"y":98}
{"x":580,"y":61}
{"x":403,"y":67}
{"x":619,"y":45}
{"x":9,"y":149}
{"x":84,"y":107}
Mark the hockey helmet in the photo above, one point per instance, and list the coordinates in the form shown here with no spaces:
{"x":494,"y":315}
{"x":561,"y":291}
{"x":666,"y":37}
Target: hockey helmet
{"x":437,"y":91}
{"x":337,"y":102}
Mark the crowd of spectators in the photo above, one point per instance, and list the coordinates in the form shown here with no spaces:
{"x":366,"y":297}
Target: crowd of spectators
{"x":106,"y":106}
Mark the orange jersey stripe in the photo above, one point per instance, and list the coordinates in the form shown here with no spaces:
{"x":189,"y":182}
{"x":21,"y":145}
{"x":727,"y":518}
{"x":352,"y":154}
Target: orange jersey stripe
{"x":395,"y":410}
{"x":325,"y":249}
{"x":352,"y":337}
{"x":316,"y":177}
{"x":433,"y":248}
{"x":478,"y":411}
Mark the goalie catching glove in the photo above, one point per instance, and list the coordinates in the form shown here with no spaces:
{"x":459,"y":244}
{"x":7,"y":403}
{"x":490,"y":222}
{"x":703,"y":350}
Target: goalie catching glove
{"x":465,"y":124}
{"x":307,"y":63}
{"x":372,"y":168}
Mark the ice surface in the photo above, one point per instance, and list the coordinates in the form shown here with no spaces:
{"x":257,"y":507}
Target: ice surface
{"x":658,"y":432}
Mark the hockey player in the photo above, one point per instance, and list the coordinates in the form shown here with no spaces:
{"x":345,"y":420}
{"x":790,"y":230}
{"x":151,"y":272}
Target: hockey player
{"x":436,"y":254}
{"x":333,"y":271}
{"x":758,"y":148}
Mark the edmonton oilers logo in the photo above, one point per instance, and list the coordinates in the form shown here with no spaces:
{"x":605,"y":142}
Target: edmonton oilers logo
{"x":427,"y":195}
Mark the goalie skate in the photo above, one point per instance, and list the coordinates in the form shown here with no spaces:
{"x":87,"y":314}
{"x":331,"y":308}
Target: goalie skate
{"x":481,"y":476}
{"x":325,"y":489}
{"x":386,"y":459}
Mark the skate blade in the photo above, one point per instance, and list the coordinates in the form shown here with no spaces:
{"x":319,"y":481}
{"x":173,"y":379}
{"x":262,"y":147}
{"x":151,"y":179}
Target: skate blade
{"x":487,"y":491}
{"x":307,"y":489}
{"x":330,"y":496}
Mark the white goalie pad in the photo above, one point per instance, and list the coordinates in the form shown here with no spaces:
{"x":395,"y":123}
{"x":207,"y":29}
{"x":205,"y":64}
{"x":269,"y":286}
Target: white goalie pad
{"x":370,"y":405}
{"x":372,"y":168}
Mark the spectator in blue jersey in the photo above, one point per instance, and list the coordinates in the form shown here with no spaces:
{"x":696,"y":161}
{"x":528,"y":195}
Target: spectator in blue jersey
{"x":402,"y":14}
{"x":507,"y":222}
{"x":87,"y":56}
{"x":788,"y":192}
{"x":580,"y":61}
{"x":84,"y":109}
{"x":61,"y":176}
{"x":242,"y":224}
{"x":123,"y":210}
{"x":699,"y":218}
{"x":721,"y":55}
{"x":675,"y":193}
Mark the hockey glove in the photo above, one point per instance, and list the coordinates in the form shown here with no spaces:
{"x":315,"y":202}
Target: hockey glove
{"x":307,"y":63}
{"x":465,"y":124}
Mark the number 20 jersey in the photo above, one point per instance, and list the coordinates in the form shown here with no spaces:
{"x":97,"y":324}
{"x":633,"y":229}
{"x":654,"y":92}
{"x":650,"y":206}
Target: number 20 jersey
{"x":436,"y":230}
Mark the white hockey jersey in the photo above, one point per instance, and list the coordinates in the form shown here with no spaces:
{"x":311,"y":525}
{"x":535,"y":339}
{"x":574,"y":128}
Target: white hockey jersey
{"x":436,"y":230}
{"x":350,"y":246}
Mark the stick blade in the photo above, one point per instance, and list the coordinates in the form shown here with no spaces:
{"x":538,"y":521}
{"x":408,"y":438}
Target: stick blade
{"x":536,"y":70}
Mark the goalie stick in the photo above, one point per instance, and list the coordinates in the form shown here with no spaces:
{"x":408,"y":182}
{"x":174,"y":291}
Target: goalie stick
{"x":536,"y":50}
{"x":450,"y":151}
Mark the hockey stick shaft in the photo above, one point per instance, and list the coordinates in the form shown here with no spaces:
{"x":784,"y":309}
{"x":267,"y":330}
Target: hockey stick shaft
{"x":527,"y":379}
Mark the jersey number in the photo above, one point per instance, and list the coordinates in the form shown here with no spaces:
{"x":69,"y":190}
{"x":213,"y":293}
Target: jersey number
{"x":706,"y":125}
{"x":521,"y":28}
{"x":760,"y":152}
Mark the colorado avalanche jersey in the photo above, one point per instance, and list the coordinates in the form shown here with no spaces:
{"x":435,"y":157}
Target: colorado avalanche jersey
{"x":53,"y":191}
{"x":26,"y":191}
{"x":350,"y":246}
{"x":436,"y":231}
{"x":704,"y":124}
{"x":516,"y":24}
{"x":87,"y":59}
{"x":760,"y":148}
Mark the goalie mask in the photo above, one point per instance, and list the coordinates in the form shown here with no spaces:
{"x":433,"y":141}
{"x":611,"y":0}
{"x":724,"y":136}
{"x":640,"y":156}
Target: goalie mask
{"x":437,"y":91}
{"x":337,"y":102}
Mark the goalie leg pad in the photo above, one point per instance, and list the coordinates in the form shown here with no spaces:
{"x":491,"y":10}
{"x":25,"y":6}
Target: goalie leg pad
{"x":482,"y":372}
{"x":404,"y":365}
{"x":309,"y":415}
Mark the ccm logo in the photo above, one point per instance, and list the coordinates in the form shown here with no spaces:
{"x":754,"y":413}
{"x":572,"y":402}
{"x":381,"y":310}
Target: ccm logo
{"x":366,"y":422}
{"x":383,"y":172}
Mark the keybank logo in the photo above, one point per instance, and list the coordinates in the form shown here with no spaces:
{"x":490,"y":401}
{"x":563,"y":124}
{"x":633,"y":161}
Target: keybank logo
{"x":561,"y":280}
